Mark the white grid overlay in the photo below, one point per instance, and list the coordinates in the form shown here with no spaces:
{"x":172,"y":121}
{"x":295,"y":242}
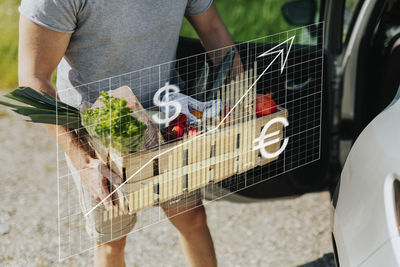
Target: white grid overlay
{"x":304,"y":106}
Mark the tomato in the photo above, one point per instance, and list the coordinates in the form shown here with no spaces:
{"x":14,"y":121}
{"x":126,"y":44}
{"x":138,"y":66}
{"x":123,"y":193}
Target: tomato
{"x":174,"y":131}
{"x":265,"y":105}
{"x":178,"y":130}
{"x":181,"y":119}
{"x":192,"y":131}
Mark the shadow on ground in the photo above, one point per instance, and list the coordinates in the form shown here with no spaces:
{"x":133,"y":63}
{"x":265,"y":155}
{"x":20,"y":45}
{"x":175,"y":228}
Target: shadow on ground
{"x":325,"y":261}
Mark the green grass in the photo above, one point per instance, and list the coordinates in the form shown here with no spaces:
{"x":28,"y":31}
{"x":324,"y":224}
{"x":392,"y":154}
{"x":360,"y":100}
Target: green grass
{"x":249,"y":19}
{"x":246,"y":20}
{"x":8,"y":43}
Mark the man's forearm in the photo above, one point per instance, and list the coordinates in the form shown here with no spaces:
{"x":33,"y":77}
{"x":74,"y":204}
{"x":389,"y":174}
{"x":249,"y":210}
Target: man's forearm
{"x":68,"y":140}
{"x":215,"y":37}
{"x":218,"y":42}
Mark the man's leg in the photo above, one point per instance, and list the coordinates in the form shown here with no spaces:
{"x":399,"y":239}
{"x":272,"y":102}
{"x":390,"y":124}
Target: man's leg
{"x":194,"y":234}
{"x":110,"y":254}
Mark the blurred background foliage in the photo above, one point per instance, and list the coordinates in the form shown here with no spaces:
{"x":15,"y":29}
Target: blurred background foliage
{"x":248,"y":19}
{"x":8,"y":43}
{"x":245,"y":19}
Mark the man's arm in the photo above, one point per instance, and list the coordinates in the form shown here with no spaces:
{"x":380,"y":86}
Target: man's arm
{"x":214,"y":35}
{"x":40,"y":51}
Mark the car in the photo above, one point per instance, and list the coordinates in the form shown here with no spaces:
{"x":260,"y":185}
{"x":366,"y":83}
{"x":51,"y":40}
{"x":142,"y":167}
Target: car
{"x":365,"y":206}
{"x":361,"y":60}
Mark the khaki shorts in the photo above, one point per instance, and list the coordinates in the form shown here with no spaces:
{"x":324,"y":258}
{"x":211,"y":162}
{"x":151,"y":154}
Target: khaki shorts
{"x":116,"y":228}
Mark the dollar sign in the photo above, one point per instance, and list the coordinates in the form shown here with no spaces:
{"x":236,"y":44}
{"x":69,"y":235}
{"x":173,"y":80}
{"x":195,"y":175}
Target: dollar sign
{"x":167,"y":104}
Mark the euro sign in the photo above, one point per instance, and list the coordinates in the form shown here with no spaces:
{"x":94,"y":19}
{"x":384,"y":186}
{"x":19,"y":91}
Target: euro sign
{"x":174,"y":105}
{"x":263,"y":136}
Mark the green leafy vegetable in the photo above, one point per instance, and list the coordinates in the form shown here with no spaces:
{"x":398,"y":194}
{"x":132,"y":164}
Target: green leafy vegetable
{"x":43,"y":108}
{"x":113,"y":124}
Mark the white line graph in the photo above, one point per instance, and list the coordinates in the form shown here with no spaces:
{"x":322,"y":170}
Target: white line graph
{"x":280,"y":53}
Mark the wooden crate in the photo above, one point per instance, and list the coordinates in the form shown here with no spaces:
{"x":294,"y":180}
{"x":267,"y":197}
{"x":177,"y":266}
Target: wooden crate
{"x":194,"y":163}
{"x":160,"y":174}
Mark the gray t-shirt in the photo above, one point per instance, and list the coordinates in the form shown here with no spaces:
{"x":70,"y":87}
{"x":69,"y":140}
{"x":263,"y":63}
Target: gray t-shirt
{"x":114,"y":37}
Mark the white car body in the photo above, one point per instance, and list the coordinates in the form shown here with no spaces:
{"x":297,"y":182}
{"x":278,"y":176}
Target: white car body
{"x":365,"y":225}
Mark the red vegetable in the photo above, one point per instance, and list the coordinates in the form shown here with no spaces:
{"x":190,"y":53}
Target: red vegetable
{"x":181,"y":119}
{"x":265,"y":105}
{"x":192,"y":131}
{"x":174,"y":131}
{"x":177,"y":131}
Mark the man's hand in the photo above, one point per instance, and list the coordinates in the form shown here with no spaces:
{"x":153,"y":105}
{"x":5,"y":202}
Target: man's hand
{"x":95,"y":176}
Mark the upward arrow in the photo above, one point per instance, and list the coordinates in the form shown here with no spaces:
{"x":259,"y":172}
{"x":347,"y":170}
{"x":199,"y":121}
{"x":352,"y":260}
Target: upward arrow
{"x":272,"y":51}
{"x":279,"y":52}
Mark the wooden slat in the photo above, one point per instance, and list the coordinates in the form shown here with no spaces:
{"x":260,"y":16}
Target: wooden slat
{"x":251,"y":162}
{"x":150,"y":193}
{"x":168,"y":175}
{"x":140,"y":198}
{"x":173,"y":173}
{"x":146,"y":196}
{"x":246,"y":136}
{"x":255,"y":131}
{"x":179,"y":173}
{"x":222,"y":136}
{"x":231,"y":162}
{"x":204,"y":171}
{"x":191,"y":154}
{"x":131,"y":207}
{"x":164,"y":187}
{"x":121,"y":204}
{"x":208,"y":162}
{"x":225,"y":164}
{"x":242,"y":129}
{"x":218,"y":152}
{"x":177,"y":181}
{"x":226,"y":137}
{"x":198,"y":173}
{"x":237,"y":124}
{"x":255,"y":76}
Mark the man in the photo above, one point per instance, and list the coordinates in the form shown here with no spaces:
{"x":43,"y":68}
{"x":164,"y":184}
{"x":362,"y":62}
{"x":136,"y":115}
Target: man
{"x":95,"y":39}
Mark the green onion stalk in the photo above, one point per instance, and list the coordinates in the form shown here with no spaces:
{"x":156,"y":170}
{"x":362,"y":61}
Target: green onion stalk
{"x":112,"y":123}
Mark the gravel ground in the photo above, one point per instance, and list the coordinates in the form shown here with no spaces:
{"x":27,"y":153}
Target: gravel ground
{"x":288,"y":232}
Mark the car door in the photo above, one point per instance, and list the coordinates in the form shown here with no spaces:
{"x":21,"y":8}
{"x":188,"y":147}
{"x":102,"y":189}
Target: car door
{"x":301,"y":88}
{"x":367,"y":65}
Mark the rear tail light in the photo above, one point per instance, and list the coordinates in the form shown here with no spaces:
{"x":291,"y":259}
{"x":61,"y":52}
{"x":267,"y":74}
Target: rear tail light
{"x":396,"y":186}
